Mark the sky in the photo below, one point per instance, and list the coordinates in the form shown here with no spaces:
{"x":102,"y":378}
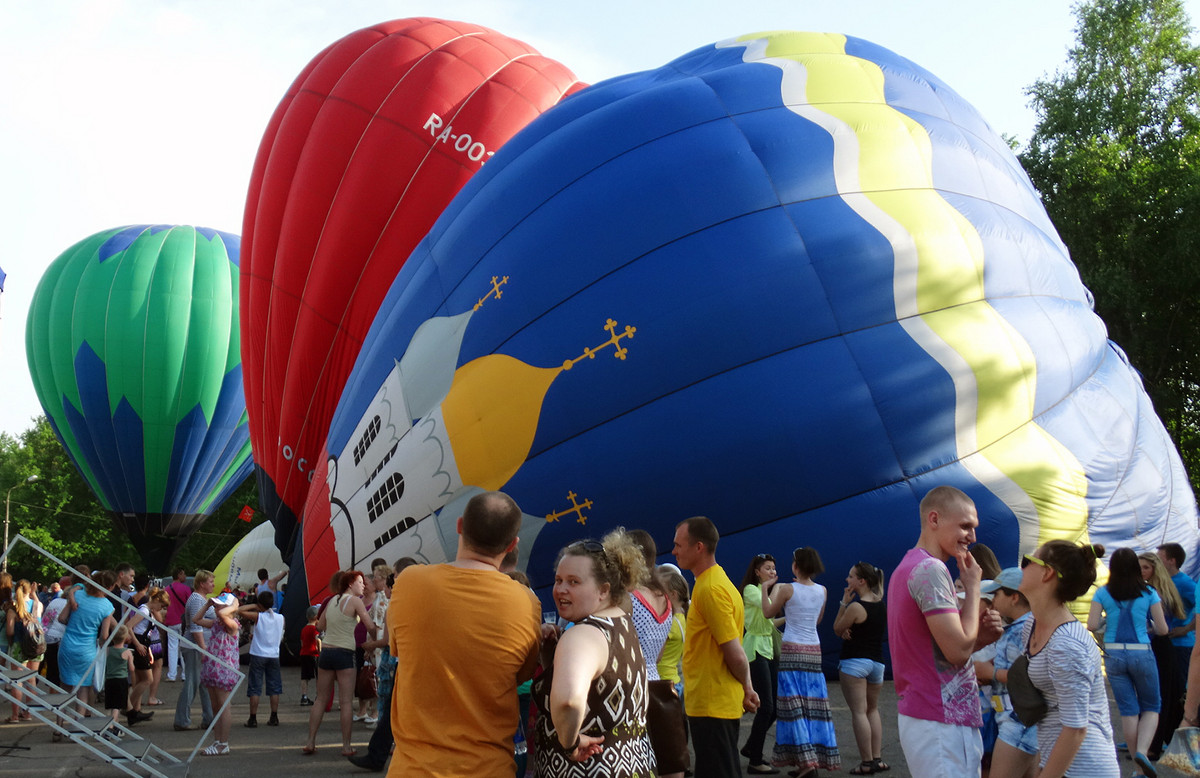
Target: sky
{"x":116,"y":112}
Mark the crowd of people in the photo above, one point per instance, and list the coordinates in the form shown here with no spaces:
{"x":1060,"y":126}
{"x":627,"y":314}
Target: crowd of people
{"x":994,"y":673}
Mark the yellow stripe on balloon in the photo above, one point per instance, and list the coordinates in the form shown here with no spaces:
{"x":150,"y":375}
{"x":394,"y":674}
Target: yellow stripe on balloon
{"x":883,"y":167}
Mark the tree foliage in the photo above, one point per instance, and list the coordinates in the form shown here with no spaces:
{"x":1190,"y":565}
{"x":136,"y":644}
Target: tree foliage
{"x":1116,"y":157}
{"x":59,"y":513}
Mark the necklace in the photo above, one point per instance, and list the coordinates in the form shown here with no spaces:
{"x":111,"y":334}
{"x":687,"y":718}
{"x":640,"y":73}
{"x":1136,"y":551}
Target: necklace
{"x":1044,"y":629}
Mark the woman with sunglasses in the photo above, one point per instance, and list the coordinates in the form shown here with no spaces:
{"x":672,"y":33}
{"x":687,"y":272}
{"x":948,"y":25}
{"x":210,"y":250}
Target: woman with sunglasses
{"x":592,"y":695}
{"x":1075,"y":735}
{"x":862,"y":624}
{"x":1122,"y":607}
{"x":759,"y":643}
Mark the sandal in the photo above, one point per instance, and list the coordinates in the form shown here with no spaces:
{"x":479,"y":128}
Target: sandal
{"x":881,"y":766}
{"x":349,"y":752}
{"x":864,"y":768}
{"x":308,"y":750}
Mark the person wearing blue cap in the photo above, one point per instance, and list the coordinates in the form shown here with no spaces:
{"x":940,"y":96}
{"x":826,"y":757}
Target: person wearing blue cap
{"x":1015,"y":754}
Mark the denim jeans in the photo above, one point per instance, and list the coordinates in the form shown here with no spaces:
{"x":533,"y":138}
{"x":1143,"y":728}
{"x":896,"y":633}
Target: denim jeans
{"x":191,"y":687}
{"x":379,"y":749}
{"x":1133,"y":676}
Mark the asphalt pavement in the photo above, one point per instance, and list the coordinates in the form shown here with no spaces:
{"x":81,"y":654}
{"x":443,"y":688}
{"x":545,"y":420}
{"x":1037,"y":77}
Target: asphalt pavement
{"x":26,"y":750}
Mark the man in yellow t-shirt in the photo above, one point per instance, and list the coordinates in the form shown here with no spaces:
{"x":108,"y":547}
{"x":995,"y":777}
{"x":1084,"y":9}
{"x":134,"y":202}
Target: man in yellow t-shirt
{"x":716,"y":675}
{"x":464,"y":635}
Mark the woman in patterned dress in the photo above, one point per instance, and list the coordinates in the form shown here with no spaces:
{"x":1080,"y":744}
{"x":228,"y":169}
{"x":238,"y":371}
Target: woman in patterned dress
{"x":592,"y":697}
{"x":215,"y":676}
{"x":804,"y":734}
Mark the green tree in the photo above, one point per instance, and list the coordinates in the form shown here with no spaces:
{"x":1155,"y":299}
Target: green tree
{"x":1116,"y":157}
{"x":60,"y":513}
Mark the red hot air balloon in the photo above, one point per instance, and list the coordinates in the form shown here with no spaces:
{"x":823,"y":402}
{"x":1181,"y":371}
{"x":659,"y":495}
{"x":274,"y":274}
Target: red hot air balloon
{"x":371,"y":142}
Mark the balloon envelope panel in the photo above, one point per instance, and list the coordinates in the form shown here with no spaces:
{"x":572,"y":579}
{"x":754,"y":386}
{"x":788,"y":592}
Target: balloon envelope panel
{"x":371,"y":141}
{"x":239,"y":568}
{"x":791,"y":282}
{"x":133,"y":346}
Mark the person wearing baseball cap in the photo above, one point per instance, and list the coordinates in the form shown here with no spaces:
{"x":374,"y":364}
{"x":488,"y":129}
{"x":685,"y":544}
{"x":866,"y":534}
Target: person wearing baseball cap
{"x":1016,"y":747}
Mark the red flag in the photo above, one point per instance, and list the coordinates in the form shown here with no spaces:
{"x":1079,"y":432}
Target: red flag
{"x":247,"y":513}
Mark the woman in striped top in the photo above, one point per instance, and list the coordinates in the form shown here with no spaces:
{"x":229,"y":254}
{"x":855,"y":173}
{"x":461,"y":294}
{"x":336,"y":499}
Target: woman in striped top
{"x":1075,"y":737}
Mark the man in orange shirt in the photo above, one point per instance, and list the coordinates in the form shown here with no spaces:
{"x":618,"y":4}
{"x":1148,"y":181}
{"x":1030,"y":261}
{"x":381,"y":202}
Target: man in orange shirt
{"x":465,"y":635}
{"x":716,"y":675}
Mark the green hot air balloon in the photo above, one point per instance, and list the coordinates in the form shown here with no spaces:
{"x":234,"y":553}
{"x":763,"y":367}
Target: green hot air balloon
{"x":133,"y":345}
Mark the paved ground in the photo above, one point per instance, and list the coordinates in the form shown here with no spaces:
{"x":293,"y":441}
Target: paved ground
{"x":26,"y":750}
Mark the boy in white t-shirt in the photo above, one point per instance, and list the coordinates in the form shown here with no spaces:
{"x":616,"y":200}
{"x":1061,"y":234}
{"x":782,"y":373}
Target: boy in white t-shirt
{"x":264,"y":656}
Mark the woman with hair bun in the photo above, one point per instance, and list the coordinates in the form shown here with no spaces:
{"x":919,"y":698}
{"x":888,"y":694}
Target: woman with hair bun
{"x":586,"y":726}
{"x":804,"y":733}
{"x":1075,"y":736}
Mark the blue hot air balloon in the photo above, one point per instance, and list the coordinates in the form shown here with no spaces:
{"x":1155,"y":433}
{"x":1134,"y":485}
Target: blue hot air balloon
{"x":791,"y":282}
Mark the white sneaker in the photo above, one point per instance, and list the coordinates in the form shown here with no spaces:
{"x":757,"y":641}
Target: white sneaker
{"x":370,"y":721}
{"x":218,"y":748}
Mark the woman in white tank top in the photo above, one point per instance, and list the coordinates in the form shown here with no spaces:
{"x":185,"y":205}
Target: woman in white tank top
{"x":804,"y":734}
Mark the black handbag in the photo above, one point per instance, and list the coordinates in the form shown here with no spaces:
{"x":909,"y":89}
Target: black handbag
{"x":1028,"y":702}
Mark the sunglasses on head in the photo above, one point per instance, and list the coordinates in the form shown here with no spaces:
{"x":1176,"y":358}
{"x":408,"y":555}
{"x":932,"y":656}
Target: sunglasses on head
{"x":1041,"y":562}
{"x":590,"y":546}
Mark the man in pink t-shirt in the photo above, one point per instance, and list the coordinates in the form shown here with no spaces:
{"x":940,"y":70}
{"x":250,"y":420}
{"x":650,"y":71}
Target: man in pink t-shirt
{"x":932,"y":641}
{"x":177,"y":593}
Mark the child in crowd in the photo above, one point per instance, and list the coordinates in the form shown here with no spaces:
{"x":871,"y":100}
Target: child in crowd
{"x":264,"y":655}
{"x":310,"y":648}
{"x":118,"y":671}
{"x":671,"y":657}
